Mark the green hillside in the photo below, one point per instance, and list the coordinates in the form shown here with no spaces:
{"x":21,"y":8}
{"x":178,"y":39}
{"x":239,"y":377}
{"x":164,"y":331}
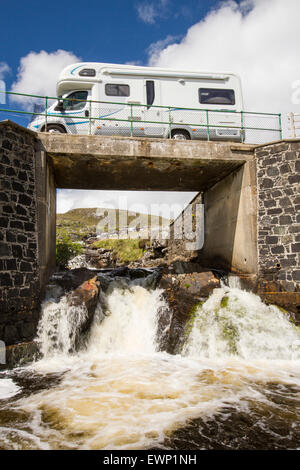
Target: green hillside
{"x":81,"y":223}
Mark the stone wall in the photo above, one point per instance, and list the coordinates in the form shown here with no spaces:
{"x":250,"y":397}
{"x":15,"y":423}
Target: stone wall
{"x":185,"y":242}
{"x":278,"y":185}
{"x":19,"y":277}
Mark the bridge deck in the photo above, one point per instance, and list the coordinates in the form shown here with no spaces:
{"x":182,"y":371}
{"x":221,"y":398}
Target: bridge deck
{"x":124,"y":163}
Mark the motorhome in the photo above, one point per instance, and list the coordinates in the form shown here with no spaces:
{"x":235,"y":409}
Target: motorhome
{"x":129,"y":100}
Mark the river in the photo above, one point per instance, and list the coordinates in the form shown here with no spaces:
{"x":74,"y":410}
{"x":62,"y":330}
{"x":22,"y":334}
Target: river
{"x":235,"y":384}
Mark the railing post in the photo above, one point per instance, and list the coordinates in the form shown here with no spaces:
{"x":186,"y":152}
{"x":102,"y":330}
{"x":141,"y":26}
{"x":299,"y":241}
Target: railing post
{"x":46,"y":106}
{"x":131,"y":121}
{"x":207,"y":125}
{"x":90,"y":117}
{"x":242,"y":126}
{"x":292,"y":124}
{"x":280,"y":125}
{"x":169,"y":122}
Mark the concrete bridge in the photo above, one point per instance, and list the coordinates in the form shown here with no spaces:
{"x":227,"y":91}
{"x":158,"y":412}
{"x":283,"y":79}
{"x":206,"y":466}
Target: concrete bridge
{"x":251,"y":201}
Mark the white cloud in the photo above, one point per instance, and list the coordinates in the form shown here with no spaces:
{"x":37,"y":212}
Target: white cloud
{"x":149,"y":12}
{"x":257,"y":39}
{"x":155,"y":48}
{"x":38,"y":73}
{"x":146,"y":12}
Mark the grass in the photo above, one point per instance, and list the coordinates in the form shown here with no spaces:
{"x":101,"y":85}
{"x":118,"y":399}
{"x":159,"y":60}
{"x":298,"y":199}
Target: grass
{"x":65,"y":250}
{"x":126,"y":250}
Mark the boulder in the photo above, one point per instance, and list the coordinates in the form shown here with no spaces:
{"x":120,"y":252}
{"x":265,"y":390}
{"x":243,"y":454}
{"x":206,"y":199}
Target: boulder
{"x":70,"y":280}
{"x":86,"y":294}
{"x":183,"y":292}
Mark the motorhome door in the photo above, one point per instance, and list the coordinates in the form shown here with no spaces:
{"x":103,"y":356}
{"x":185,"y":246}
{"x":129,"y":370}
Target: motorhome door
{"x":152,"y":115}
{"x":76,"y":111}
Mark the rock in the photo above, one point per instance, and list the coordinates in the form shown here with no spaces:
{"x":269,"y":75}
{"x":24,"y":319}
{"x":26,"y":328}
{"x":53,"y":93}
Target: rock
{"x":86,"y":294}
{"x":183,"y":292}
{"x":73,"y":278}
{"x":20,"y":354}
{"x":184,"y":267}
{"x":100,"y":258}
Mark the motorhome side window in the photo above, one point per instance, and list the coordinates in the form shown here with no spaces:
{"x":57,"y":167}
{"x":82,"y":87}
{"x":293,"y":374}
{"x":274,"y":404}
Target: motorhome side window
{"x":216,"y":96}
{"x":114,"y":89}
{"x":76,"y":100}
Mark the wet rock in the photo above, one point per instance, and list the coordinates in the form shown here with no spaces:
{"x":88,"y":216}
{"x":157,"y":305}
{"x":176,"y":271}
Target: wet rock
{"x":20,"y":354}
{"x":137,"y":273}
{"x":185,"y":267}
{"x":183,"y":292}
{"x":73,"y":278}
{"x":158,"y":248}
{"x":86,"y":294}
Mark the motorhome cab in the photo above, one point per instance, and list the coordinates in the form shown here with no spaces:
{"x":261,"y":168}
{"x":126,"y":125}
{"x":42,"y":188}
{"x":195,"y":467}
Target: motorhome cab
{"x":111,"y":99}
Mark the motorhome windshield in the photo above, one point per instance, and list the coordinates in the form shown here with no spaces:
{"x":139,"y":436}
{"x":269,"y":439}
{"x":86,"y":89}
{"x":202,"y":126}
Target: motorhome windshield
{"x":75,"y":100}
{"x":37,"y":109}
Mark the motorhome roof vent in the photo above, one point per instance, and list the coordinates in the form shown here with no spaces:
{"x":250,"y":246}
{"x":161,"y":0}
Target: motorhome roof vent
{"x":87,"y":73}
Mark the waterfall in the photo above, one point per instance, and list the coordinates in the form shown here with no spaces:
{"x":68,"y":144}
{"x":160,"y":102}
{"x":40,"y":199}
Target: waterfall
{"x":59,"y":325}
{"x":233,"y":322}
{"x":130,"y":322}
{"x":126,"y":320}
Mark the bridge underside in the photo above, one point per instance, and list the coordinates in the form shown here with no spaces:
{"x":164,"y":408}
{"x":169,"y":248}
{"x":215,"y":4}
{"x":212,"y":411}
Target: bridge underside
{"x":118,"y":163}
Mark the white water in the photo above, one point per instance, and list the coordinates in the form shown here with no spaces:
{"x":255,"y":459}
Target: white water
{"x":8,"y":389}
{"x":122,"y":393}
{"x":233,"y":322}
{"x":58,"y":326}
{"x":131,"y":325}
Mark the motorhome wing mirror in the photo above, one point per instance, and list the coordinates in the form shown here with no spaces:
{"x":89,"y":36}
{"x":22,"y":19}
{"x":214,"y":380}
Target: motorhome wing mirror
{"x":59,"y":106}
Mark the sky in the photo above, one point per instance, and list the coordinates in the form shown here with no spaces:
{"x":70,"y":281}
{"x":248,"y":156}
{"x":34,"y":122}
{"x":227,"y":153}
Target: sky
{"x":257,"y":39}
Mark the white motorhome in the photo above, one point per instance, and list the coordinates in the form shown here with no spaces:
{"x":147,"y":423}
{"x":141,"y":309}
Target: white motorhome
{"x":112,"y":99}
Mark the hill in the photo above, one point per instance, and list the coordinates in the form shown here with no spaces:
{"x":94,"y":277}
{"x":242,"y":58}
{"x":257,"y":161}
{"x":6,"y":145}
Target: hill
{"x":82,"y":223}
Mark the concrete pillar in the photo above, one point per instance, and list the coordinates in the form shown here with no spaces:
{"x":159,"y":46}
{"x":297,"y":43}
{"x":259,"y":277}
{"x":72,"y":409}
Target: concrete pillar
{"x":230,"y":241}
{"x":46,"y":216}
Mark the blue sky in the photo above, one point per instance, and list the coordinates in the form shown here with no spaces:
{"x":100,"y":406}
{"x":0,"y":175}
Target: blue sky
{"x":257,"y":39}
{"x":116,"y":32}
{"x":99,"y":31}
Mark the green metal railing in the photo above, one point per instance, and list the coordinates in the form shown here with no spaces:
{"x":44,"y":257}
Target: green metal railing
{"x":204,"y":123}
